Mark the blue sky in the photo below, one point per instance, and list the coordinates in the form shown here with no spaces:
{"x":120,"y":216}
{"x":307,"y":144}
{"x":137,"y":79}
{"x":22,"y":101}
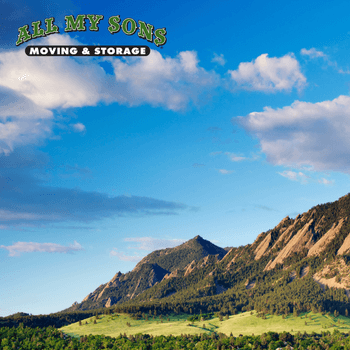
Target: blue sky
{"x":239,"y":120}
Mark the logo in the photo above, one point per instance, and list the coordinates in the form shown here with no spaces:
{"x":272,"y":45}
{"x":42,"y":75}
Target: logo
{"x":128,"y":26}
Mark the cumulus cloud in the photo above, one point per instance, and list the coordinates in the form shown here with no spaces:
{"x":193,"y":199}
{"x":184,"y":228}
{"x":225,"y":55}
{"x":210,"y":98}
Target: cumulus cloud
{"x":51,"y":82}
{"x":269,"y":74}
{"x":18,"y":248}
{"x":151,"y":244}
{"x":21,"y":120}
{"x":169,"y":82}
{"x":32,"y":89}
{"x":219,"y":59}
{"x":304,"y":134}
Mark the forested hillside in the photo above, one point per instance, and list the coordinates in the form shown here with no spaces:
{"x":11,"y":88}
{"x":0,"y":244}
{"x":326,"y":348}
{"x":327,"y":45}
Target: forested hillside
{"x":301,"y":264}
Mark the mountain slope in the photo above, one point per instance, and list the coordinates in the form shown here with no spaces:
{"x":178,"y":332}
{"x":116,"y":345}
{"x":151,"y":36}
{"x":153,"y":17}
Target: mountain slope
{"x":149,"y":271}
{"x":288,"y":266}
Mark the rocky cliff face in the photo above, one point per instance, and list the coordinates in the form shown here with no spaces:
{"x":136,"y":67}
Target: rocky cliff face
{"x":309,"y":234}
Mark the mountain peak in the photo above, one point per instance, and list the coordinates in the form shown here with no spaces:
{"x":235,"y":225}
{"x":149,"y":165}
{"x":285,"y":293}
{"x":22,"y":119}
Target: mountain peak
{"x":198,"y":238}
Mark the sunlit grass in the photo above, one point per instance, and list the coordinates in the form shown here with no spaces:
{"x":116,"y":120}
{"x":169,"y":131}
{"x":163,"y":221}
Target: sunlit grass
{"x":244,"y":323}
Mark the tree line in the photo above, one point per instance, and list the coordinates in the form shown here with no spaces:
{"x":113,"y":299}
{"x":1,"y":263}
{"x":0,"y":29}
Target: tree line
{"x":52,"y":338}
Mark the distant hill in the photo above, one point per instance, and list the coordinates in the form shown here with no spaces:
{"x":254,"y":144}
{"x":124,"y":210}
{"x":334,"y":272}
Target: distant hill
{"x":301,"y":264}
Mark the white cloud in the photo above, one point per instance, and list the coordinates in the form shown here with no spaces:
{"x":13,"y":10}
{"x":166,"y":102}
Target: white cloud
{"x":79,"y":127}
{"x":189,"y":61}
{"x":225,"y":172}
{"x":21,"y":120}
{"x":269,"y":74}
{"x":51,"y":82}
{"x":304,"y":134}
{"x":312,"y":53}
{"x":219,"y":59}
{"x":303,"y":178}
{"x":151,"y":244}
{"x":169,"y":82}
{"x":31,"y":88}
{"x":234,"y":157}
{"x":30,"y":247}
{"x":295,"y":176}
{"x":325,"y":181}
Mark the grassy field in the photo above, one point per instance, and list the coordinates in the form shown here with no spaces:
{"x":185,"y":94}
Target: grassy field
{"x":244,"y":323}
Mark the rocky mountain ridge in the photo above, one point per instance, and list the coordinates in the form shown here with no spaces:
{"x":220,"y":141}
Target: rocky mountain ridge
{"x":152,"y":269}
{"x":317,"y":241}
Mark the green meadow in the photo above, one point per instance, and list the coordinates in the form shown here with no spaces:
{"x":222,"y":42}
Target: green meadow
{"x":246,"y":323}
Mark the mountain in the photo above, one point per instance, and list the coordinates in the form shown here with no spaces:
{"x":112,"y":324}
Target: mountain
{"x":151,"y":270}
{"x":300,"y":264}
